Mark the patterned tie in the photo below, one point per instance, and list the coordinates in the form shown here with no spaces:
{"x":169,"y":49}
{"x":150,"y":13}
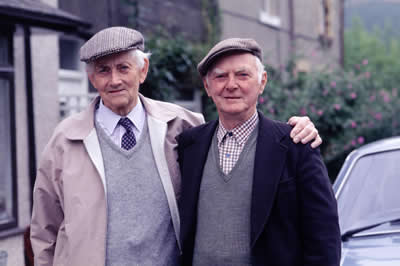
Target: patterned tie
{"x":128,"y":140}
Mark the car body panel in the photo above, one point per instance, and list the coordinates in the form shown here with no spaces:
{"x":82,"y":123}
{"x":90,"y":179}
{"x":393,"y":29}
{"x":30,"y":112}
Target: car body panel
{"x":370,"y":174}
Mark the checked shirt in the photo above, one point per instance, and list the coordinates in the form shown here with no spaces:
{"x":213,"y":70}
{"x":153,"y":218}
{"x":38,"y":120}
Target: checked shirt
{"x":231,"y":143}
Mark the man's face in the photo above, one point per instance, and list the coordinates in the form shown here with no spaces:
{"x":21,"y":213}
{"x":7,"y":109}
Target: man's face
{"x":117,"y":78}
{"x":233,"y":84}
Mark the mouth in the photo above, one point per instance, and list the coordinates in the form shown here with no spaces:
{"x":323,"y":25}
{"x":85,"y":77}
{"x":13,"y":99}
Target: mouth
{"x":115,"y":91}
{"x":232,"y":98}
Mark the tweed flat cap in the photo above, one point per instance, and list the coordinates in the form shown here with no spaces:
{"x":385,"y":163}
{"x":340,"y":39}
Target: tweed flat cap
{"x":228,"y":45}
{"x":109,"y":41}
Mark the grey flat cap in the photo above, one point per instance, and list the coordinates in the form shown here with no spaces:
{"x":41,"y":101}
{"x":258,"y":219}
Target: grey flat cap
{"x":109,"y":41}
{"x":228,"y":45}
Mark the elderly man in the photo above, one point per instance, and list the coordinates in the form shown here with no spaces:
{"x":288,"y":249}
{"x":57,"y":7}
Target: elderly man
{"x":108,"y":180}
{"x":250,"y":196}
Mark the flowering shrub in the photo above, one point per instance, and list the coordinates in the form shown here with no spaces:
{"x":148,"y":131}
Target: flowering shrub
{"x":347,"y":107}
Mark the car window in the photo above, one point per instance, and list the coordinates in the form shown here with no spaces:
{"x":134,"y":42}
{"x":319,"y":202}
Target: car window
{"x":371,"y":190}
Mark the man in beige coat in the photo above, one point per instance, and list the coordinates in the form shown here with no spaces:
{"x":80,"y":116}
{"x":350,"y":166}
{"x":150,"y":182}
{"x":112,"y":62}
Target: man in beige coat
{"x":108,"y":180}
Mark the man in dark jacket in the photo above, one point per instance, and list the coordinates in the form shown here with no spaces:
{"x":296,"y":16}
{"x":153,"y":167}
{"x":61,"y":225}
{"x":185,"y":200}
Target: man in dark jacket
{"x":250,"y":196}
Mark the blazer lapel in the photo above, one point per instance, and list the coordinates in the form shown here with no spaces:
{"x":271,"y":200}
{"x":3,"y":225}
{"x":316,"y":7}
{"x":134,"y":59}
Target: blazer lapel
{"x":269,"y":162}
{"x":195,"y":154}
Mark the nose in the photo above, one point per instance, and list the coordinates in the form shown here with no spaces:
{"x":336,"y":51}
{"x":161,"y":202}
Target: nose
{"x":231,"y":83}
{"x":115,"y":78}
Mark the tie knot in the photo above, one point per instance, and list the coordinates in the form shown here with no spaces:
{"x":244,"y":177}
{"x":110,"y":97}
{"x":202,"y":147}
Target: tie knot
{"x":126,"y":123}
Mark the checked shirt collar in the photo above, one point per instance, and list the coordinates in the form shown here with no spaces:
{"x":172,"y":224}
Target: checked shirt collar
{"x":231,"y":143}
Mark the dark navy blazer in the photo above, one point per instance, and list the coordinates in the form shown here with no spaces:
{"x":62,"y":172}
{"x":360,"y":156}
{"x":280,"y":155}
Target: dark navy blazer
{"x":294,"y":218}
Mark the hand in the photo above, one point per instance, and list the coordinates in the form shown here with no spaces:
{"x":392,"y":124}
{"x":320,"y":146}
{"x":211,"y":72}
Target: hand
{"x":304,"y":131}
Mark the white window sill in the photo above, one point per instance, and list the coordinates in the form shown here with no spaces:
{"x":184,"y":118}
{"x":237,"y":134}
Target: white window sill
{"x":268,"y":19}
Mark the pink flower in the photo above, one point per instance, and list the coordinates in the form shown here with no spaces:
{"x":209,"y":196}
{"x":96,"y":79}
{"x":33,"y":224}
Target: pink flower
{"x":386,"y":98}
{"x":357,"y":67}
{"x":353,"y":95}
{"x":337,"y":106}
{"x":261,"y":100}
{"x":320,"y":112}
{"x":367,"y":75}
{"x":372,"y":98}
{"x":303,"y":111}
{"x":353,"y":124}
{"x":360,"y":140}
{"x":353,"y":143}
{"x":378,"y":116}
{"x":394,"y":92}
{"x":325,"y":92}
{"x":333,"y":84}
{"x":365,"y":62}
{"x":272,"y":110}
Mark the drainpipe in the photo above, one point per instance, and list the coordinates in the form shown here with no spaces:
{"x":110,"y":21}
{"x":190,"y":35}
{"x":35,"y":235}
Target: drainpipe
{"x":30,"y":108}
{"x":341,"y":33}
{"x":291,"y":22}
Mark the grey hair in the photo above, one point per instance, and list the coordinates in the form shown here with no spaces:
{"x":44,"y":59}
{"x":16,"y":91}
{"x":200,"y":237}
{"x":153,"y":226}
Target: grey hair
{"x":136,"y":54}
{"x":260,"y":69}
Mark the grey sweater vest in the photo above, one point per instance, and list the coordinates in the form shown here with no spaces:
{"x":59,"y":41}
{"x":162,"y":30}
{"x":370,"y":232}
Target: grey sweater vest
{"x":139,"y":225}
{"x":223,"y":223}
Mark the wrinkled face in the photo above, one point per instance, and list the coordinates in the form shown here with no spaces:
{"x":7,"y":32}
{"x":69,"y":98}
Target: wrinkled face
{"x":233,"y":84}
{"x":117,"y":78}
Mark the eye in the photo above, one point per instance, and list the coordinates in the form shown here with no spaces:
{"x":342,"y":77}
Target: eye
{"x":220,"y":76}
{"x":123,"y":68}
{"x":102,"y":69}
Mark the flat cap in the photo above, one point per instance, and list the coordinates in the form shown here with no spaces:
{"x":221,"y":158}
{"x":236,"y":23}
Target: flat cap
{"x":109,"y":41}
{"x":225,"y":46}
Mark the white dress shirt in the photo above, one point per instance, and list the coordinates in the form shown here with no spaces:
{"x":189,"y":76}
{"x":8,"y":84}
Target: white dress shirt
{"x":108,"y":120}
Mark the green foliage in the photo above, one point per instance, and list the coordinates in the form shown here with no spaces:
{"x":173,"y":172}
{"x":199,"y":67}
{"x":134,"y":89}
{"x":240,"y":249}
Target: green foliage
{"x":172,"y":68}
{"x":349,"y":107}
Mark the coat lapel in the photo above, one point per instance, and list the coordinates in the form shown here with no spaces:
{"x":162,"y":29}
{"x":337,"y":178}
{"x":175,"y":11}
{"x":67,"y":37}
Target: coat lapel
{"x":158,"y":132}
{"x":92,"y":145}
{"x":269,"y":162}
{"x":195,"y":150}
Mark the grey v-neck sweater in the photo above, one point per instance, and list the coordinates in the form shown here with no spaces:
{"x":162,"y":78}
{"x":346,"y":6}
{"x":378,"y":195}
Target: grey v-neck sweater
{"x":223,"y":223}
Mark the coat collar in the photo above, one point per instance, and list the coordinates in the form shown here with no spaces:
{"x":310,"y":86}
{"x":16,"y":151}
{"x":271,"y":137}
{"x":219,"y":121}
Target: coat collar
{"x":157,"y":109}
{"x":79,"y":126}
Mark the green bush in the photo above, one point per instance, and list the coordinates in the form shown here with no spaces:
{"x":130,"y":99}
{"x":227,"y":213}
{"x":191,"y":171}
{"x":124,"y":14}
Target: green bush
{"x":349,"y":108}
{"x":172,"y":70}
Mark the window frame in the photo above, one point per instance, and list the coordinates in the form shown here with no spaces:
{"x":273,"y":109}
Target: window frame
{"x":268,"y":17}
{"x":7,"y":73}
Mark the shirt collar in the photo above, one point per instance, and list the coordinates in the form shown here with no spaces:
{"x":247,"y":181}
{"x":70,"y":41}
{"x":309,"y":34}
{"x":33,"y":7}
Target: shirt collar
{"x":241,"y":132}
{"x":109,"y":119}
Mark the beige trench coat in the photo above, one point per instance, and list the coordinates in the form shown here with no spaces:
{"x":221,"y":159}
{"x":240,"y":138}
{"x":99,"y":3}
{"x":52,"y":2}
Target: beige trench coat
{"x":69,"y":199}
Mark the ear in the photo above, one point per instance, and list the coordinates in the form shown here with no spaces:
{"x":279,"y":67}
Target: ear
{"x":144,"y":70}
{"x":264,"y":81}
{"x":92,"y":79}
{"x":206,"y":85}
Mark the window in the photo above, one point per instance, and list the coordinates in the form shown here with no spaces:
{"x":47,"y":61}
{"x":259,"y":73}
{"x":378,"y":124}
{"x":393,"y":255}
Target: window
{"x":270,"y":13}
{"x":8,"y":210}
{"x":69,"y":54}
